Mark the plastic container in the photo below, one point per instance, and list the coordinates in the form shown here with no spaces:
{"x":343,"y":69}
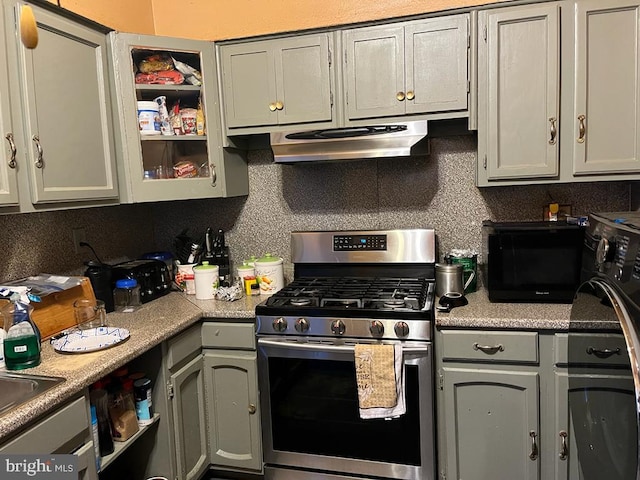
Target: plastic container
{"x":144,"y":405}
{"x":96,"y":435}
{"x":207,"y":280}
{"x":126,"y":295}
{"x":149,"y":118}
{"x":269,"y":274}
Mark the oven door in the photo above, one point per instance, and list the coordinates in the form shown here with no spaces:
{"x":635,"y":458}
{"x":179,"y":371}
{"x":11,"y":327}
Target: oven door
{"x":601,"y":437}
{"x":311,"y":418}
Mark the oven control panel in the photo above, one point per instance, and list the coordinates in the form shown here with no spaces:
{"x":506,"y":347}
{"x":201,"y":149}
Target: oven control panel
{"x":343,"y":243}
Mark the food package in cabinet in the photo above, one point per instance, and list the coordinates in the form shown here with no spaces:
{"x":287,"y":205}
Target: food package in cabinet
{"x":157,"y":62}
{"x":191,"y":75}
{"x":166,"y":77}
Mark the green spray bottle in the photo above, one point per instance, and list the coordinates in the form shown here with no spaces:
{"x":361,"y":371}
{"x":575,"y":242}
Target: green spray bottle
{"x":22,"y":343}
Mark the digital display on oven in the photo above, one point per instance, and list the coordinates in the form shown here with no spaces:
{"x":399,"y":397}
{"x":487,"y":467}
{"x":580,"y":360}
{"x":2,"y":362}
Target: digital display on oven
{"x":359,"y":242}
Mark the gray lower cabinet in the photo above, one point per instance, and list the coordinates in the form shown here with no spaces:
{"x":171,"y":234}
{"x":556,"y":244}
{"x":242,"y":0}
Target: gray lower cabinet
{"x":488,"y":405}
{"x":535,"y":405}
{"x":64,"y":431}
{"x":415,"y":67}
{"x":61,"y":119}
{"x":534,"y":129}
{"x":233,"y":406}
{"x":186,"y":392}
{"x":595,"y":432}
{"x":281,"y":81}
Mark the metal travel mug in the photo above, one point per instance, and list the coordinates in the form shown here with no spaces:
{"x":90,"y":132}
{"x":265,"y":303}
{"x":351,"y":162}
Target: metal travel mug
{"x":449,"y":279}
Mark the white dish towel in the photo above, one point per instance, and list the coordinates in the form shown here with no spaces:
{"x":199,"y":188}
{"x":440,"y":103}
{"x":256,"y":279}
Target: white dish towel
{"x":380,"y":378}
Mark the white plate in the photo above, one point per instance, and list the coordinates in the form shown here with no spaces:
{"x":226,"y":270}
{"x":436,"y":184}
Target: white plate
{"x":82,"y":341}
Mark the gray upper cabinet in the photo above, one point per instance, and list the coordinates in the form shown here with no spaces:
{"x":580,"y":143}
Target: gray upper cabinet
{"x":518,"y":93}
{"x":605,"y":124}
{"x":61,"y":118}
{"x":171,"y":167}
{"x":274,"y":82}
{"x":8,"y":155}
{"x":416,"y":67}
{"x":534,"y":129}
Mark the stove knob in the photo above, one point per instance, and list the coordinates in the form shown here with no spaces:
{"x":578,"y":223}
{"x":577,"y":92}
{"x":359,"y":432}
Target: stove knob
{"x":376,"y":328}
{"x":302,"y":325}
{"x":338,"y":327}
{"x":605,"y":251}
{"x":401,"y":329}
{"x":279,"y":324}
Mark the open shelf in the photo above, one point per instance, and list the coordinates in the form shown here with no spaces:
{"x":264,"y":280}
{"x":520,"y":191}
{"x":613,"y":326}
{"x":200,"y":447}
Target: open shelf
{"x":121,"y":447}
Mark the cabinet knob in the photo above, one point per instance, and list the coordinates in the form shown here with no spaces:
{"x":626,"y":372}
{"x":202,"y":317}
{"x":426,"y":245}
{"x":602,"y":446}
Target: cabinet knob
{"x":564,"y":451}
{"x":553,"y":131}
{"x":252,"y":408}
{"x":12,"y":147}
{"x":39,"y":162}
{"x":534,"y":446}
{"x":400,"y":96}
{"x":410,"y":95}
{"x":272,"y":106}
{"x":279,"y":105}
{"x":582,"y":129}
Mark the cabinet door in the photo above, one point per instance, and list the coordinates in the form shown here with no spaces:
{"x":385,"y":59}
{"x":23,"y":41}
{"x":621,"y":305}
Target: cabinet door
{"x":518,"y":94}
{"x":234,"y":417}
{"x":249,"y":84}
{"x":189,"y":414}
{"x":436,"y":64}
{"x":492,"y":424}
{"x":8,"y":153}
{"x":374,"y":59}
{"x":303,"y":79}
{"x":169,"y":167}
{"x":596,"y":412}
{"x":67,"y":112}
{"x":606,"y":119}
{"x":87,"y":462}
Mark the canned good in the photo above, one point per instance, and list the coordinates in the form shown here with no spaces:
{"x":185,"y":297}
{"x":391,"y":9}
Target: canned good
{"x":144,"y":405}
{"x":469,"y":261}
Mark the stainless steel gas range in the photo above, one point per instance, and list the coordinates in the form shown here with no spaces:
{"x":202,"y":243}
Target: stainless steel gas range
{"x":349,"y":287}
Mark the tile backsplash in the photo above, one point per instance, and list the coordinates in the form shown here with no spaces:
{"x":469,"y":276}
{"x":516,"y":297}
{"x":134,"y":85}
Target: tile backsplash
{"x":434,"y":191}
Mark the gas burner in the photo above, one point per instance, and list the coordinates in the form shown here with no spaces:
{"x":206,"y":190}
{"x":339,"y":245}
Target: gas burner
{"x":341,"y":302}
{"x":300,"y":302}
{"x":393,"y":303}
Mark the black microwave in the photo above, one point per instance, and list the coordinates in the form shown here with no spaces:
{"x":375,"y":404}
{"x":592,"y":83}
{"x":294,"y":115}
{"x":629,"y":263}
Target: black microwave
{"x":532,"y":261}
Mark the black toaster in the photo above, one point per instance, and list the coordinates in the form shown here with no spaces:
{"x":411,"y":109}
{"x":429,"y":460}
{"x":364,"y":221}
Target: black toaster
{"x":153,"y":276}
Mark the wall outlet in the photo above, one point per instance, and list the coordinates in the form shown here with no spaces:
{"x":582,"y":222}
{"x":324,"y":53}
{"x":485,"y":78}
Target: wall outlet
{"x":78,"y":235}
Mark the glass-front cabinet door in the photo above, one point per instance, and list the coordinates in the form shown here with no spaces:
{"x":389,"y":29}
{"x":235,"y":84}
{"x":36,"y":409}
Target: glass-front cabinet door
{"x":168,"y":119}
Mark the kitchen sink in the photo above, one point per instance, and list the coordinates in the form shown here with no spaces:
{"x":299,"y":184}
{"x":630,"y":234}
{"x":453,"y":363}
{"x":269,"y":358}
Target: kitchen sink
{"x":17,"y":388}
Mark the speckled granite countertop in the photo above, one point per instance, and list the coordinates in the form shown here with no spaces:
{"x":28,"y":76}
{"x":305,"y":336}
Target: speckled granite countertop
{"x":481,"y":313}
{"x":152,"y":324}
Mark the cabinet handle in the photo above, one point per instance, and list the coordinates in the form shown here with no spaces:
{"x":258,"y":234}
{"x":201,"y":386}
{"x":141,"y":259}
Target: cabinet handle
{"x":534,"y":446}
{"x":553,"y":131}
{"x":563,"y":445}
{"x":272,"y":106}
{"x":12,"y":146}
{"x":602,"y":353}
{"x":410,"y":95}
{"x":279,"y":105}
{"x":39,"y":162}
{"x":214,"y":175}
{"x":400,"y":96}
{"x":488,"y":349}
{"x":581,"y":128}
{"x":252,"y":408}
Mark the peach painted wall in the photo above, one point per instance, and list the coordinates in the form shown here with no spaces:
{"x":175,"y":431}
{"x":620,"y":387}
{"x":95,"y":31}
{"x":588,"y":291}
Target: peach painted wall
{"x":122,"y":15}
{"x":224,"y":19}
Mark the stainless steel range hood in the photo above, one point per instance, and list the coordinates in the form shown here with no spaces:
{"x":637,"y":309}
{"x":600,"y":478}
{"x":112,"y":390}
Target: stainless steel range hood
{"x":350,"y":143}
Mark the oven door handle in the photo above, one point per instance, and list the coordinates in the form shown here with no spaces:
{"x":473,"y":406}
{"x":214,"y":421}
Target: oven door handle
{"x":326,"y":347}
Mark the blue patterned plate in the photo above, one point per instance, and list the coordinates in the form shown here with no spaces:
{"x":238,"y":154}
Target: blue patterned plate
{"x":91,"y":340}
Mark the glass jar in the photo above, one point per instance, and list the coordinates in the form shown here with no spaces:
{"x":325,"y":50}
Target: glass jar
{"x":126,"y":296}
